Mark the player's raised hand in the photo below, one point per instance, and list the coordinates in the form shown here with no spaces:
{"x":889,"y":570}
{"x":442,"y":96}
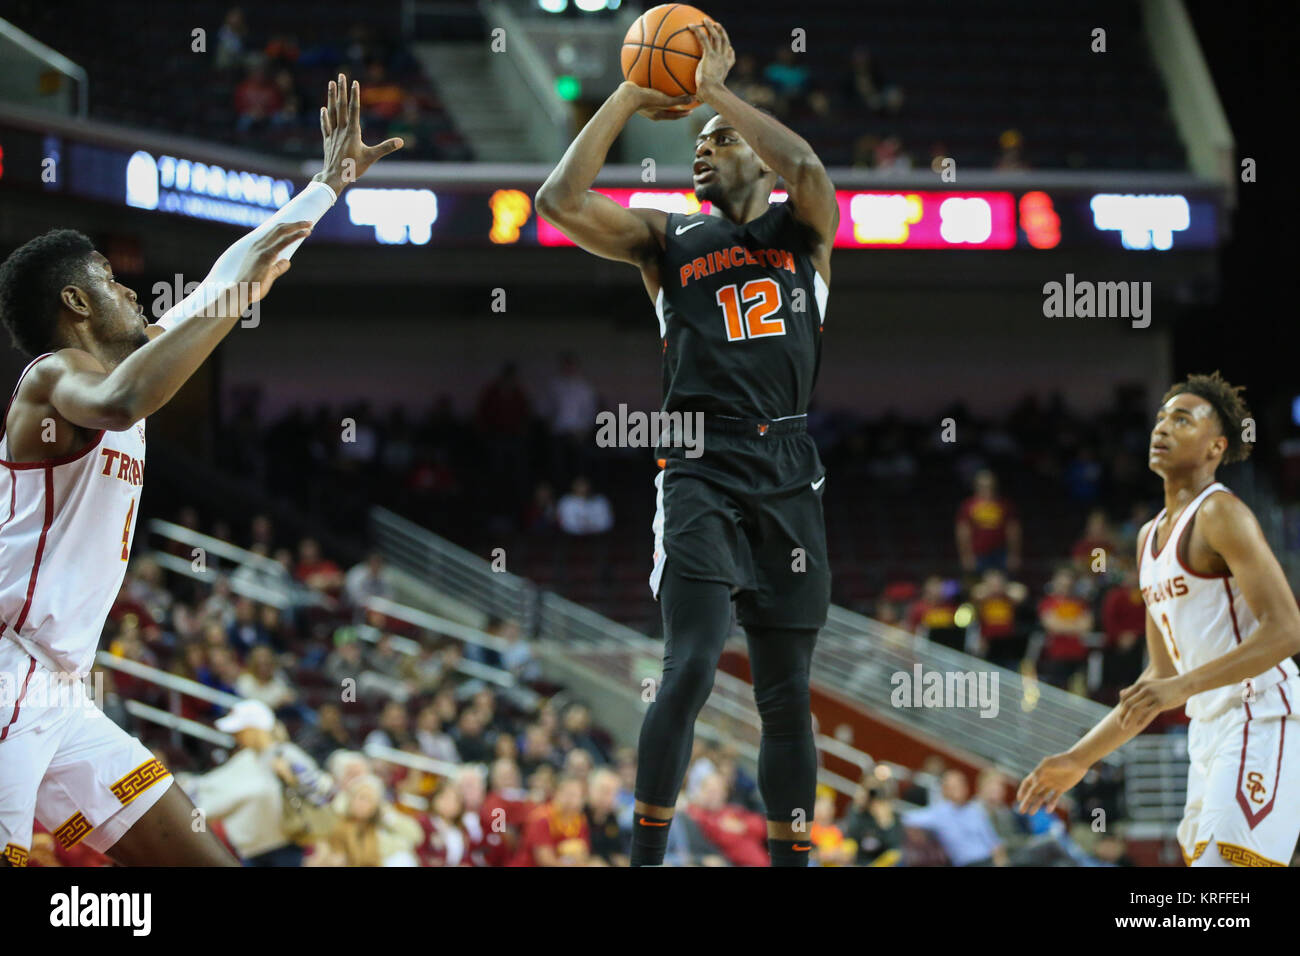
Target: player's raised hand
{"x":717,"y":56}
{"x":264,"y":263}
{"x":346,"y":157}
{"x":1048,"y":782}
{"x":656,"y":105}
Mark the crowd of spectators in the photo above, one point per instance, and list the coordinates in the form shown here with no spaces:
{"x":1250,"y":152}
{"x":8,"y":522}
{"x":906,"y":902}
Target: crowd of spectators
{"x":522,"y":775}
{"x":863,"y":90}
{"x":523,"y":462}
{"x":1033,"y":570}
{"x":1083,"y":630}
{"x":279,"y":83}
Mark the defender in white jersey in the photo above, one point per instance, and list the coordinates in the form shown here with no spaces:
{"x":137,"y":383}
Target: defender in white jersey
{"x":72,"y":457}
{"x":1222,"y":628}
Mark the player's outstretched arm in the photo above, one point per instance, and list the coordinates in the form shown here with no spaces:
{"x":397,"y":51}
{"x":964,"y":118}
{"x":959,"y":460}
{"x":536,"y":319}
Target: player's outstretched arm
{"x":346,"y":159}
{"x":77,"y":387}
{"x":1058,"y":773}
{"x":812,"y":194}
{"x":1229,"y":527}
{"x":596,"y":222}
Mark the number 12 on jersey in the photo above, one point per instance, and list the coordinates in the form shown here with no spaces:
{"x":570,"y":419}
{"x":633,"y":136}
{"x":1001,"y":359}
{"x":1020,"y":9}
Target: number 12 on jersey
{"x":763,"y":297}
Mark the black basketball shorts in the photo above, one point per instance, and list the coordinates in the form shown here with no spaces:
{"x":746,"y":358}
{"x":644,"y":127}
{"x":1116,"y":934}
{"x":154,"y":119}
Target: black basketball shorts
{"x":748,"y":513}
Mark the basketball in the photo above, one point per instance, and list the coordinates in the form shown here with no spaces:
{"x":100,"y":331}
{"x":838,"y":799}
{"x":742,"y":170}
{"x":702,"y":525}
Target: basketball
{"x":661,"y":52}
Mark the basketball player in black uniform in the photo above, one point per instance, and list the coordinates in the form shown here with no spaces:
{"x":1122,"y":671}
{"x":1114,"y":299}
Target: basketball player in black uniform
{"x":741,"y":296}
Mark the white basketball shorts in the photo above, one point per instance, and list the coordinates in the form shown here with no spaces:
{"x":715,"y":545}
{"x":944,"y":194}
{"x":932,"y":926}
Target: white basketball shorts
{"x":63,"y":762}
{"x":1243,"y":786}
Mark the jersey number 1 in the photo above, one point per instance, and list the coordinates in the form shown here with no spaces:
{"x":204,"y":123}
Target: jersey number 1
{"x":755,"y":320}
{"x":1169,"y":633}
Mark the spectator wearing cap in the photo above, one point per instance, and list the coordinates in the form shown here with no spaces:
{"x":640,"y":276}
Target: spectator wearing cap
{"x":246,"y":793}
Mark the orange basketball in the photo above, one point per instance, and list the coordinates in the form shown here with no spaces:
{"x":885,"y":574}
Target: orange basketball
{"x":661,"y":52}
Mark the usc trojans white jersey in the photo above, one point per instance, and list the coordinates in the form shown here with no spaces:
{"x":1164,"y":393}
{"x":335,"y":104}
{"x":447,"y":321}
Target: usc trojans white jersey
{"x":66,"y":526}
{"x":1201,"y":617}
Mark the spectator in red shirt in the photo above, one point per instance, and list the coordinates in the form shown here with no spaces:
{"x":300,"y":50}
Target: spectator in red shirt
{"x":1097,"y":536}
{"x":503,"y":406}
{"x":1066,"y":622}
{"x":445,"y":841}
{"x":933,"y":610}
{"x":557,"y":833}
{"x":1123,"y":621}
{"x":257,"y":99}
{"x":317,"y":572}
{"x":381,"y":98}
{"x":488,"y":845}
{"x":997,"y":602}
{"x":988,"y":529}
{"x":739,"y":834}
{"x":507,"y":803}
{"x":503,"y":415}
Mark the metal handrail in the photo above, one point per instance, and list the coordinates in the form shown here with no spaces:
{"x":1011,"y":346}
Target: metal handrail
{"x":435,"y":622}
{"x":242,"y":558}
{"x":179,"y":724}
{"x":425,"y":555}
{"x":439,"y":768}
{"x":224,"y":549}
{"x":172,"y":682}
{"x":249,"y":589}
{"x":858,"y":656}
{"x":53,"y":59}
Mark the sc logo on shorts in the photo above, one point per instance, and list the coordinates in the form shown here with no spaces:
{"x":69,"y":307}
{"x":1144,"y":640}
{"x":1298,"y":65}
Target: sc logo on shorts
{"x":1255,"y":786}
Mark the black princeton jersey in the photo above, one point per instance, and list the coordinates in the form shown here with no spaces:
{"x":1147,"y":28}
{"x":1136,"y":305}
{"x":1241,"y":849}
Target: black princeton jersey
{"x":740,"y":311}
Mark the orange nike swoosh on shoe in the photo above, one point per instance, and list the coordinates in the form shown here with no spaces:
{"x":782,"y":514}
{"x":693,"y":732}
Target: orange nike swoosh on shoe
{"x":798,"y":847}
{"x":654,"y":823}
